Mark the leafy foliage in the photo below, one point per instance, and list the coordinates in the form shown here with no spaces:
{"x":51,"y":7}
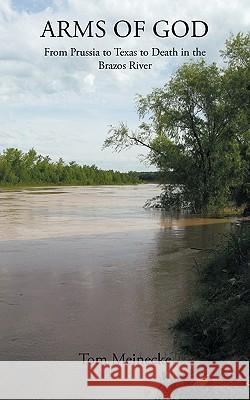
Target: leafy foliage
{"x":17,"y":168}
{"x":217,"y":327}
{"x":197,"y":128}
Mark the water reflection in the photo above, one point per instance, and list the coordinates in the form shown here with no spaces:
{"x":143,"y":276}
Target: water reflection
{"x":174,"y":271}
{"x":88,"y":269}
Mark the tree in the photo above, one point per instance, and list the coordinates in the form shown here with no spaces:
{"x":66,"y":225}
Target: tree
{"x":17,"y":167}
{"x":191,"y":129}
{"x":237,"y":77}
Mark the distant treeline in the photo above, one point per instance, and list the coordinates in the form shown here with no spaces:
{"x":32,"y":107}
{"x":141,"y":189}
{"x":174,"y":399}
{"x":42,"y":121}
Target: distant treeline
{"x":17,"y":168}
{"x":150,"y":177}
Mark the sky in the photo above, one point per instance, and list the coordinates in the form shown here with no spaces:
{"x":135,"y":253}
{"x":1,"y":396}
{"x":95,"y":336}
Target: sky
{"x":64,"y":106}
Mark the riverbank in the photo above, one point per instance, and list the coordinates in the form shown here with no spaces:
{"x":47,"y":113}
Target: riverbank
{"x":218,"y":325}
{"x":44,"y":186}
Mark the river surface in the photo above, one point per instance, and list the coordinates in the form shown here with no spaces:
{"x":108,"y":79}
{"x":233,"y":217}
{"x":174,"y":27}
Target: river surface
{"x":88,"y":269}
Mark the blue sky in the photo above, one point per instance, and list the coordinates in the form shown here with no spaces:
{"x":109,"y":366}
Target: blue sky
{"x":64,"y":106}
{"x":31,"y":6}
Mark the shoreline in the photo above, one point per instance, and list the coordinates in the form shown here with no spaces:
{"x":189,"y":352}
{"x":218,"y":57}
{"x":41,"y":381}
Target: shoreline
{"x":216,"y":325}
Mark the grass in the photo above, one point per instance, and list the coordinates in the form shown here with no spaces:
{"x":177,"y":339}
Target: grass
{"x":218,"y":325}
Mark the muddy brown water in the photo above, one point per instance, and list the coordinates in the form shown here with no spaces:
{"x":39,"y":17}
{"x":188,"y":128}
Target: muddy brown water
{"x":87,"y":269}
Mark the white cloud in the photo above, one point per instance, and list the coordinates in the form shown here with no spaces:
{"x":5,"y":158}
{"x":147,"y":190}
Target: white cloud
{"x":33,"y":74}
{"x":42,"y":88}
{"x":6,"y":9}
{"x":89,"y":80}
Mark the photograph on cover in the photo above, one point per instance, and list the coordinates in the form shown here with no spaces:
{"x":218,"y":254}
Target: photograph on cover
{"x":124,"y":180}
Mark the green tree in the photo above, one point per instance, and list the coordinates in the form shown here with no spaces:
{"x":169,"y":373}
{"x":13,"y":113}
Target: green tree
{"x":191,"y":128}
{"x":237,"y":80}
{"x":31,"y":168}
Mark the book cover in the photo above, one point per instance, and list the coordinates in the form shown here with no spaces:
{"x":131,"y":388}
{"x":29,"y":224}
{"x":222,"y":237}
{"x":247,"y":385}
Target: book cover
{"x":124,"y":199}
